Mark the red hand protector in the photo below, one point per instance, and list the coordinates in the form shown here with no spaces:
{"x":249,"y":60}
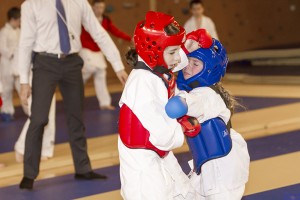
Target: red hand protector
{"x":190,"y":124}
{"x":201,"y":36}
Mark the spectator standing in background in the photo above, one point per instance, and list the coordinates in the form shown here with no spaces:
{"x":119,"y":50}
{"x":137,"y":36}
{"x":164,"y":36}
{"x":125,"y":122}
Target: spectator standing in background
{"x":199,"y":20}
{"x":51,"y":30}
{"x":94,"y":61}
{"x":9,"y":39}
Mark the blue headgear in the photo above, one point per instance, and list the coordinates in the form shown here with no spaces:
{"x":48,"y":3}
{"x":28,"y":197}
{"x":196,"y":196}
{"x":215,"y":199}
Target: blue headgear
{"x":214,"y":61}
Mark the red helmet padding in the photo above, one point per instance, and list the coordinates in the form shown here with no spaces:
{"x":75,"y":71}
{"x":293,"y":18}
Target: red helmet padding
{"x":151,"y":39}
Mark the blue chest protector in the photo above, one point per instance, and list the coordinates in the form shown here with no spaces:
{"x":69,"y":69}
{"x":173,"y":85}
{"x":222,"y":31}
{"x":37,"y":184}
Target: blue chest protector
{"x":214,"y":139}
{"x":212,"y":142}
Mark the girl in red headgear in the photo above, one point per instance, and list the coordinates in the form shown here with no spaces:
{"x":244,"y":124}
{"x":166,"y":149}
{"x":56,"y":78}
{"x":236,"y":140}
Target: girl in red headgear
{"x":148,"y":168}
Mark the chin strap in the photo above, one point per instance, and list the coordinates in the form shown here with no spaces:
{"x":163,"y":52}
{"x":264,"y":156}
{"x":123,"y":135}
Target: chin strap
{"x":164,"y":74}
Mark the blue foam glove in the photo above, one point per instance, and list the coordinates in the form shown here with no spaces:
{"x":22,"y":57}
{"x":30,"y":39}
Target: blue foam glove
{"x":176,"y":107}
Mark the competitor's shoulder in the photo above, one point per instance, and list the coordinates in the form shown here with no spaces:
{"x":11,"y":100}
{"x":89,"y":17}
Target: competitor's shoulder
{"x":203,"y":90}
{"x":143,"y":77}
{"x":140,"y":74}
{"x":208,"y":19}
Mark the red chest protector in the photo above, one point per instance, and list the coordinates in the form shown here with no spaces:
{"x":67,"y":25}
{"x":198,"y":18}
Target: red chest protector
{"x":132,"y":132}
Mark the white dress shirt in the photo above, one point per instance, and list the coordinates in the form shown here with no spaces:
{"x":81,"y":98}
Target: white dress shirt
{"x":39,"y":32}
{"x":206,"y":23}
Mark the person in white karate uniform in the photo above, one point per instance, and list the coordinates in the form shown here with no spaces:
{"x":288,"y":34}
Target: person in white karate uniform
{"x":1,"y":164}
{"x":223,"y":177}
{"x":94,"y":61}
{"x":9,"y":39}
{"x":199,"y":20}
{"x":48,"y":137}
{"x":148,"y":168}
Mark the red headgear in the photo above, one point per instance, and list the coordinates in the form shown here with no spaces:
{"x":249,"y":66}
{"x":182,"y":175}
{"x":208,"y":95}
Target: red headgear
{"x":151,"y":39}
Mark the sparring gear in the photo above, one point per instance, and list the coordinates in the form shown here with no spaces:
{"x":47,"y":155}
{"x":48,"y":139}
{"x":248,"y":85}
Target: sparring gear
{"x":183,"y":63}
{"x":176,"y":107}
{"x":190,"y":124}
{"x":150,"y":38}
{"x":212,"y":142}
{"x":200,"y":36}
{"x":0,"y":102}
{"x":132,"y":132}
{"x":214,"y":67}
{"x":166,"y":76}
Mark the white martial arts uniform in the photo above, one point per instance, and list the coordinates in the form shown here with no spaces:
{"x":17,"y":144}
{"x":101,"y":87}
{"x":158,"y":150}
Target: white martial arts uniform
{"x":1,"y":89}
{"x":223,"y":178}
{"x":9,"y":40}
{"x":49,"y":132}
{"x":95,"y":65}
{"x":206,"y":23}
{"x":144,"y":175}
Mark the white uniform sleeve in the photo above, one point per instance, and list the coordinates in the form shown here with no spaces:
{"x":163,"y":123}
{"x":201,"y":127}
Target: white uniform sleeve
{"x":101,"y":37}
{"x":146,"y":95}
{"x":5,"y":51}
{"x":1,"y":89}
{"x":27,"y":40}
{"x":204,"y":104}
{"x":212,"y":28}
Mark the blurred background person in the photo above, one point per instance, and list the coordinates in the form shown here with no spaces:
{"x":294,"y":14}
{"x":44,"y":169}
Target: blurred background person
{"x":199,"y":20}
{"x":48,"y":136}
{"x":1,"y":164}
{"x":94,"y":60}
{"x":9,"y":39}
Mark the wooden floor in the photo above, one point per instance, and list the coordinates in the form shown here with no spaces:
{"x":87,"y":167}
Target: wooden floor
{"x":251,"y":124}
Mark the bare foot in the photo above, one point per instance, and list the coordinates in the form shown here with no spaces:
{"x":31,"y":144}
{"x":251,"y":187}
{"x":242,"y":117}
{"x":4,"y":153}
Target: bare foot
{"x":2,"y":165}
{"x":19,"y":157}
{"x":109,"y":107}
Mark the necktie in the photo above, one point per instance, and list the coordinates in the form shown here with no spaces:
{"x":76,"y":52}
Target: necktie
{"x":62,"y":28}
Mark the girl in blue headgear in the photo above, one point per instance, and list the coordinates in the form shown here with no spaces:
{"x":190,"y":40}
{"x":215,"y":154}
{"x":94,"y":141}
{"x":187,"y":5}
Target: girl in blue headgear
{"x":220,"y":165}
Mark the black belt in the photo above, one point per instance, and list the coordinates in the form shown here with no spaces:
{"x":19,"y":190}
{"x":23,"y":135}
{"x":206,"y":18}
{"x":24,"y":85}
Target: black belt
{"x":59,"y":56}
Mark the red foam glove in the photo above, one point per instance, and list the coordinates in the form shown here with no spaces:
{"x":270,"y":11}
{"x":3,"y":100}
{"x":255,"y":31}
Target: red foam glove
{"x":202,"y":36}
{"x":197,"y":39}
{"x":0,"y":102}
{"x":190,"y":124}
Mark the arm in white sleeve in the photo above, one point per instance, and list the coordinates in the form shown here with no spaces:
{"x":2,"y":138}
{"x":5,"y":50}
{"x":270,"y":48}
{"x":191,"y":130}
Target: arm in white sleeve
{"x":27,"y":39}
{"x":147,"y":99}
{"x":5,"y":51}
{"x":195,"y":102}
{"x":204,"y":104}
{"x":101,"y":37}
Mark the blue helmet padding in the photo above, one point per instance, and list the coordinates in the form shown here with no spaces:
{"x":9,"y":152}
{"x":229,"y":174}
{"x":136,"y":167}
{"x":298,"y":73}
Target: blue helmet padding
{"x":212,"y":142}
{"x":214,"y":60}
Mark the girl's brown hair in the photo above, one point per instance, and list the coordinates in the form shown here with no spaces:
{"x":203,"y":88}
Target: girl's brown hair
{"x":230,"y":101}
